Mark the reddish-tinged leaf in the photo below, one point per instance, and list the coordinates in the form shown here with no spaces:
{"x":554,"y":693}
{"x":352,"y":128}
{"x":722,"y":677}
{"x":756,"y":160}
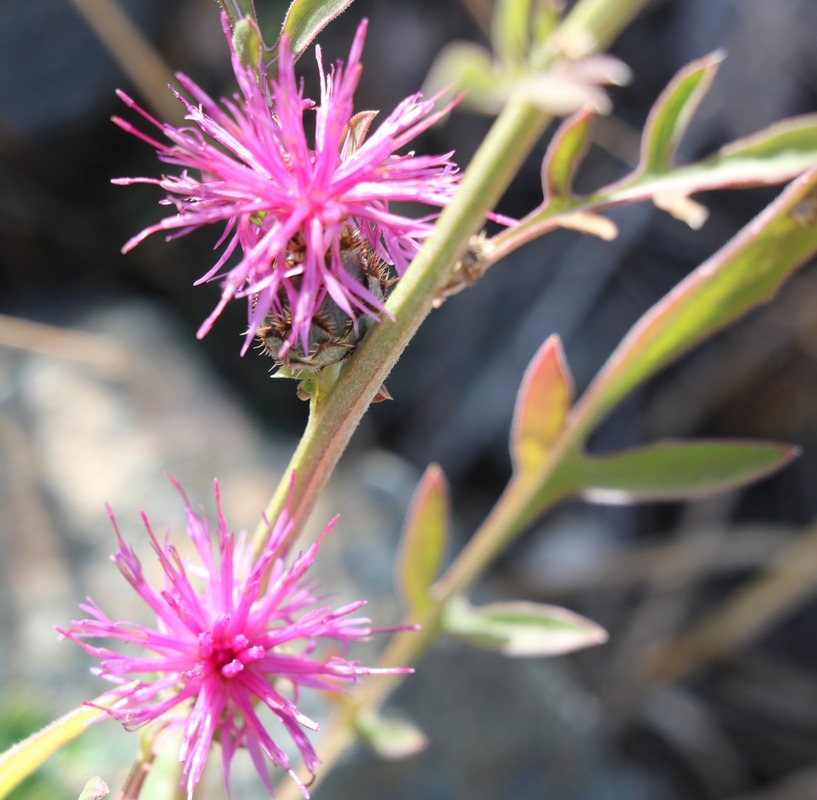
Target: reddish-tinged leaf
{"x":356,"y":131}
{"x":778,"y":153}
{"x":423,"y":542}
{"x":746,"y":272}
{"x":672,"y":113}
{"x":564,"y":154}
{"x":544,"y":399}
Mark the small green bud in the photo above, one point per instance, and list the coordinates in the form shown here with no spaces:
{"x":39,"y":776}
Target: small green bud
{"x":247,"y":42}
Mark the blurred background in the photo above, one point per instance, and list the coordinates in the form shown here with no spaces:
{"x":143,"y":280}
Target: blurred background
{"x":707,"y":688}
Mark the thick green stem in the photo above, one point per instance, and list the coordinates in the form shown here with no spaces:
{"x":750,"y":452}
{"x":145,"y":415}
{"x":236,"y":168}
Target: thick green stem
{"x":334,"y":418}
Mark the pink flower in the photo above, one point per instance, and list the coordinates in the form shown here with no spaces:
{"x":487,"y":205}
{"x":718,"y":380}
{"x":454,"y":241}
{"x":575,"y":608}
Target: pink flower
{"x":230,"y":630}
{"x":288,"y":205}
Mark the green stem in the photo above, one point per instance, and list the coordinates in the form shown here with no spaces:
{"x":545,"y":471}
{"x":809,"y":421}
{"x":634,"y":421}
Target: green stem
{"x":507,"y":519}
{"x":592,"y":25}
{"x":334,"y":418}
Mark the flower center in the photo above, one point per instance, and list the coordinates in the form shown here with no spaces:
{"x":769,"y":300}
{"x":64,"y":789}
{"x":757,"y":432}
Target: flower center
{"x":226,"y":654}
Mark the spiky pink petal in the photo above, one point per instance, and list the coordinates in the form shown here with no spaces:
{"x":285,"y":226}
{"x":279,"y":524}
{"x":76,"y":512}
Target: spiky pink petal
{"x":247,"y":164}
{"x":230,"y":626}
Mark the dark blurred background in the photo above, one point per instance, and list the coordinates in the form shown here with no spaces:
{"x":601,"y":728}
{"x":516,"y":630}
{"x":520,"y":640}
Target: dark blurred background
{"x":110,"y":389}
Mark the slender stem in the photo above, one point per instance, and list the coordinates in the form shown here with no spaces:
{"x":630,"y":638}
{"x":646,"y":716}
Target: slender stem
{"x":592,"y":25}
{"x":333,"y":419}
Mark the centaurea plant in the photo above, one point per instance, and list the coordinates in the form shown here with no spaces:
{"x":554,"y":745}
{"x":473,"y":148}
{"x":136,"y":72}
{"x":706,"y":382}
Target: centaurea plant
{"x":337,"y":282}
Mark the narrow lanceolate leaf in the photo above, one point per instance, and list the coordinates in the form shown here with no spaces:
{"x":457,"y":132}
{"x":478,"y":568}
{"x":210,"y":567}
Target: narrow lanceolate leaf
{"x":746,"y":272}
{"x":544,"y":399}
{"x":423,"y":542}
{"x":390,"y":738}
{"x":672,"y":113}
{"x":564,"y":154}
{"x":521,"y":628}
{"x":678,"y":470}
{"x":305,"y":19}
{"x":20,"y":760}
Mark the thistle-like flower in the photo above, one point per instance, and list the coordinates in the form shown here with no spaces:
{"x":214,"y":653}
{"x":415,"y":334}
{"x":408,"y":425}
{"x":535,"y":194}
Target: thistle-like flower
{"x":234,"y":633}
{"x":288,"y":205}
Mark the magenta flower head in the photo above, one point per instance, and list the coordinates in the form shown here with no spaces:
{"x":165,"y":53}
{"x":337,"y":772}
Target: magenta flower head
{"x":233,"y":630}
{"x":310,"y":221}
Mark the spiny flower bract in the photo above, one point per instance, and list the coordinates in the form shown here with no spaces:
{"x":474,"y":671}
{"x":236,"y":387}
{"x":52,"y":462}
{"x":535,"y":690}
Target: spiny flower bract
{"x":232,"y":631}
{"x":247,"y":163}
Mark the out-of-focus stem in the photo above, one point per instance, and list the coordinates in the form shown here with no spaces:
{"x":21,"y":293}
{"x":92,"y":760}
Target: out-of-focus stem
{"x":592,"y":25}
{"x":136,"y":56}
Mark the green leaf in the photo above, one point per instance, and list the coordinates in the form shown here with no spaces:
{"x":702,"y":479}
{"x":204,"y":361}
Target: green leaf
{"x":773,"y":155}
{"x":784,"y":149}
{"x":247,"y":42}
{"x":95,"y":789}
{"x":305,"y":19}
{"x":510,"y":31}
{"x":19,"y":761}
{"x":563,"y":156}
{"x":776,"y":154}
{"x":678,"y":470}
{"x":544,"y":398}
{"x":672,"y":113}
{"x":521,"y":628}
{"x":746,"y":272}
{"x":423,"y":541}
{"x":391,"y":738}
